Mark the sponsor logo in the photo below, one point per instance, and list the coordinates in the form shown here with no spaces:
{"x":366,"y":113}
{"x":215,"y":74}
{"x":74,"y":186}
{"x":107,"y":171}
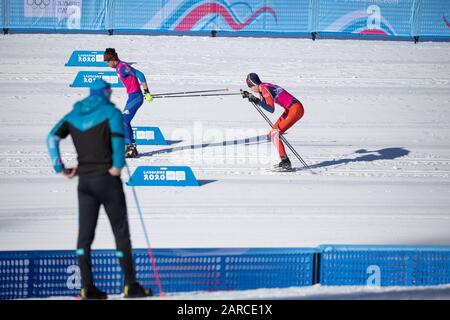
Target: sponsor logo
{"x":144,"y":135}
{"x":92,"y":77}
{"x":168,"y":175}
{"x":374,"y":279}
{"x":369,"y":21}
{"x":41,"y":4}
{"x":67,"y":10}
{"x":74,"y":278}
{"x":38,"y":8}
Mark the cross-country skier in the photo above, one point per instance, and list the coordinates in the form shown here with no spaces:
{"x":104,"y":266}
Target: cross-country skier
{"x":132,"y":79}
{"x":269,"y":95}
{"x":97,"y":131}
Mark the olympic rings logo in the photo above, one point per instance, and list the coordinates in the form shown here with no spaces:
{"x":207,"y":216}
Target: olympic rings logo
{"x":42,"y":4}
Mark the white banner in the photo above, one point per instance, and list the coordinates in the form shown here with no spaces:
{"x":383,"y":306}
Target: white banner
{"x":61,"y":9}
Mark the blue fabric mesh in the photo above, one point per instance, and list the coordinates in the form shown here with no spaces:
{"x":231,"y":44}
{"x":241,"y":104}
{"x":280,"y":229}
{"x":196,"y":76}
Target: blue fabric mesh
{"x":397,"y":265}
{"x":55,"y":273}
{"x":350,"y":18}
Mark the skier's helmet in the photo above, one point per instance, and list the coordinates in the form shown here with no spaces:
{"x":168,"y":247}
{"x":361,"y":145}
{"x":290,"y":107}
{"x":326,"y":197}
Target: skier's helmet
{"x":253,"y":80}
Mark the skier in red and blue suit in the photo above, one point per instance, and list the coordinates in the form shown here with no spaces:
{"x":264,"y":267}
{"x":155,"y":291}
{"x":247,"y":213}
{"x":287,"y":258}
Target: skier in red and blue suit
{"x":132,"y":79}
{"x":269,"y":95}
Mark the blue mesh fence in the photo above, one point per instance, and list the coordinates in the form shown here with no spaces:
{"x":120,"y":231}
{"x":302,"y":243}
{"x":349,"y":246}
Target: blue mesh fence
{"x":55,"y":273}
{"x":366,"y":17}
{"x":2,"y":14}
{"x":393,"y":18}
{"x":433,"y":18}
{"x":384,"y":265}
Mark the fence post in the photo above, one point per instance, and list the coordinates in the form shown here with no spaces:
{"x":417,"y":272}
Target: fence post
{"x":316,"y":268}
{"x":4,"y":16}
{"x":415,"y":19}
{"x":109,"y":19}
{"x":313,"y":11}
{"x":32,"y":275}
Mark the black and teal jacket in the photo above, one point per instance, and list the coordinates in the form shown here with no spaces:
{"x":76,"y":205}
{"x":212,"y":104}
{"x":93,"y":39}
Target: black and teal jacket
{"x":97,"y":130}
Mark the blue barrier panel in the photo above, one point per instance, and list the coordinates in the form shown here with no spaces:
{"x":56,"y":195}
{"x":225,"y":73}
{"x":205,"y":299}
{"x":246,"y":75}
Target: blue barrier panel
{"x":16,"y":275}
{"x":84,"y":79}
{"x":200,"y":16}
{"x":365,"y":17}
{"x":172,"y":176}
{"x":55,"y":273}
{"x":433,"y":18}
{"x":85,"y":58}
{"x":399,"y":18}
{"x":148,"y":136}
{"x":384,"y":265}
{"x":2,"y":14}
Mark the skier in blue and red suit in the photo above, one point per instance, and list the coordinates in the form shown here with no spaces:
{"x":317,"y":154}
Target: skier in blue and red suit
{"x":133,"y":80}
{"x":269,"y":95}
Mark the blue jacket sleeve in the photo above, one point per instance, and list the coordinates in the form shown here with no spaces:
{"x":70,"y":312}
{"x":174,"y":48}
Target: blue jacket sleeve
{"x":266,"y":106}
{"x":117,"y":138}
{"x":140,"y":76}
{"x":60,"y":131}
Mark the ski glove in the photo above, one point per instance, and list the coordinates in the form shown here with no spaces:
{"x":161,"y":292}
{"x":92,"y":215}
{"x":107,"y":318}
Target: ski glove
{"x":249,"y":96}
{"x":147,"y":96}
{"x":245,"y":94}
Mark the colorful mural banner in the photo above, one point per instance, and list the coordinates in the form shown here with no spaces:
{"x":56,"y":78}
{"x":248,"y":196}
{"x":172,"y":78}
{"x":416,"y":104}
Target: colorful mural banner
{"x":401,"y":18}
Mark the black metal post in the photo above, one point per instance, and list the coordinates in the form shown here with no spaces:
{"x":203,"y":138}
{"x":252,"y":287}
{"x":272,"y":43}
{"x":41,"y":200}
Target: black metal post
{"x":316,"y":270}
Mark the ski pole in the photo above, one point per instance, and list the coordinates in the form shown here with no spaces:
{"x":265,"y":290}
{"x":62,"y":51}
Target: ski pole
{"x":283,"y":138}
{"x":188,"y":92}
{"x":149,"y":248}
{"x":199,"y":95}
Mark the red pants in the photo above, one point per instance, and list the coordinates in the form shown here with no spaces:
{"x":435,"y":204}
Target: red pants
{"x":287,"y":120}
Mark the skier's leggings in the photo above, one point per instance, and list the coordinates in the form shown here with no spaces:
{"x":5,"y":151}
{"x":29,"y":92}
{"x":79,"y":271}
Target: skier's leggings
{"x":105,"y":190}
{"x":287,"y":120}
{"x":134,"y":102}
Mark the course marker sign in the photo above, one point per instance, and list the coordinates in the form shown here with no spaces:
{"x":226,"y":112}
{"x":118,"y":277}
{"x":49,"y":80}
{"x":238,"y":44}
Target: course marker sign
{"x":172,"y":176}
{"x":85,"y":58}
{"x":84,"y":79}
{"x":148,"y":136}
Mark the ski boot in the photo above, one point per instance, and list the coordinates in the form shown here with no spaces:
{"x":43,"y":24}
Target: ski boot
{"x":135,"y":290}
{"x":131,"y":151}
{"x":284,"y":165}
{"x":91,"y":292}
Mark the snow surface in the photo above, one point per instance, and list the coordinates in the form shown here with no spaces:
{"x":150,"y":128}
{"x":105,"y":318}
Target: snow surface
{"x":316,"y":292}
{"x":376,"y":132}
